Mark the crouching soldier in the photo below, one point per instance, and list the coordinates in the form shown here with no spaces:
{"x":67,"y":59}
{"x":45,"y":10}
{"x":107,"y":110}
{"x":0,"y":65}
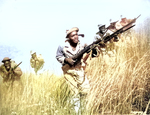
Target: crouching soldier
{"x":10,"y":71}
{"x":74,"y":75}
{"x":107,"y":50}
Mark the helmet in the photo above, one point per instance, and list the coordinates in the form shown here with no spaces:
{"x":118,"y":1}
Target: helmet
{"x":32,"y":52}
{"x":6,"y":59}
{"x":100,"y":25}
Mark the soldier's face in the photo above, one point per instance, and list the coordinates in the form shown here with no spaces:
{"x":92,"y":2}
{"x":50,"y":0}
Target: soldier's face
{"x":74,"y":37}
{"x":7,"y":65}
{"x":102,"y":29}
{"x":34,"y":55}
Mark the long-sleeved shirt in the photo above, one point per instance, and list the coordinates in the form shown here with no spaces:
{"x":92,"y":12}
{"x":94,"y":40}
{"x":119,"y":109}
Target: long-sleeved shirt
{"x":66,"y":51}
{"x":109,"y":49}
{"x":12,"y":76}
{"x":75,"y":76}
{"x":100,"y":36}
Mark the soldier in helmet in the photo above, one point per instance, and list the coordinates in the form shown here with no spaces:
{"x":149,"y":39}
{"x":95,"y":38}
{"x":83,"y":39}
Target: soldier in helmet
{"x":108,"y":48}
{"x":101,"y":32}
{"x":9,"y":70}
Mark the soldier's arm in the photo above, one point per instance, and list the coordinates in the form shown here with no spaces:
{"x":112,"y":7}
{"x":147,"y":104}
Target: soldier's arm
{"x":3,"y":72}
{"x":60,"y":55}
{"x":115,"y":38}
{"x":17,"y":72}
{"x":32,"y":63}
{"x":96,"y":37}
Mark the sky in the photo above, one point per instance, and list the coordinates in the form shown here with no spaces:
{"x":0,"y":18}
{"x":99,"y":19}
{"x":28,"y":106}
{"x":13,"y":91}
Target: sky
{"x":40,"y":25}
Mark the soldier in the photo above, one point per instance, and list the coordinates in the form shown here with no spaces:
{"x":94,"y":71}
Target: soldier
{"x":107,"y":50}
{"x":10,"y":71}
{"x":75,"y":75}
{"x":36,"y":62}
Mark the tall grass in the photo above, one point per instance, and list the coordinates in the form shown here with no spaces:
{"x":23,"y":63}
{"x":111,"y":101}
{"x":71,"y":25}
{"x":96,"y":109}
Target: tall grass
{"x":122,"y":85}
{"x":44,"y":94}
{"x":117,"y":87}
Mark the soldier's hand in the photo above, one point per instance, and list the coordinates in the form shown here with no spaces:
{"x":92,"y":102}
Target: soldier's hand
{"x":116,"y":39}
{"x":69,"y":61}
{"x":7,"y":73}
{"x":102,"y":45}
{"x":11,"y":71}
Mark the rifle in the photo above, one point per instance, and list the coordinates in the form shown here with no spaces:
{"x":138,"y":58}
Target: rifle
{"x":14,"y":68}
{"x":104,"y":40}
{"x":11,"y":71}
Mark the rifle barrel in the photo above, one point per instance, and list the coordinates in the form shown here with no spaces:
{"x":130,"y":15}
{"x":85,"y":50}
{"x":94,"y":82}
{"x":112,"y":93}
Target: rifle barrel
{"x":17,"y":65}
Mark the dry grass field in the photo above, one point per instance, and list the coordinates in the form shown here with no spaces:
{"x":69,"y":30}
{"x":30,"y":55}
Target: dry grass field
{"x":122,"y":85}
{"x":44,"y":94}
{"x":118,"y":86}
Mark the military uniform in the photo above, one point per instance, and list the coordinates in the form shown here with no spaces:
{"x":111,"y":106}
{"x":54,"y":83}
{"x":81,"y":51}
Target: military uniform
{"x":108,"y":49}
{"x":75,"y":76}
{"x":36,"y":62}
{"x":12,"y":75}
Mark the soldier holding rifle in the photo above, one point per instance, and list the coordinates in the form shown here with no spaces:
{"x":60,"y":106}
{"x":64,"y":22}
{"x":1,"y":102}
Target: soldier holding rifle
{"x":109,"y":47}
{"x":74,"y":74}
{"x":10,"y":71}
